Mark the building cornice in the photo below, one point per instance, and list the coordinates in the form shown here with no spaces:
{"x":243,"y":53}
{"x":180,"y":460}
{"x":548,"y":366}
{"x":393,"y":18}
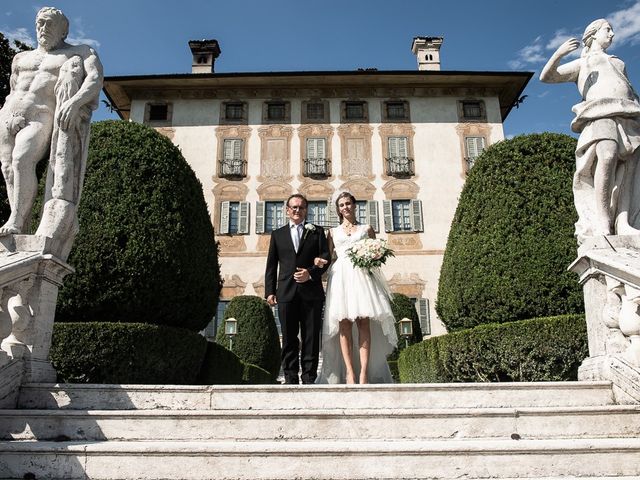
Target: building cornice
{"x":507,"y":86}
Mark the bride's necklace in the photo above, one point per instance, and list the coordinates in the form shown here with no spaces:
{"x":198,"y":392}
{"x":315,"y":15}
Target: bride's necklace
{"x":349,"y":228}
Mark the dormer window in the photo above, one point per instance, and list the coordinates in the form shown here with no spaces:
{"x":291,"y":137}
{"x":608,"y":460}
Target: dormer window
{"x":472,"y":111}
{"x":276,"y":112}
{"x":395,"y":111}
{"x":355,"y":111}
{"x":158,"y":114}
{"x":233,"y":113}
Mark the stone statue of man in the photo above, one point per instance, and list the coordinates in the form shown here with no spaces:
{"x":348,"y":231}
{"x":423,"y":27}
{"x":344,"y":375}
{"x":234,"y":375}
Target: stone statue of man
{"x":54,"y":90}
{"x":606,"y":184}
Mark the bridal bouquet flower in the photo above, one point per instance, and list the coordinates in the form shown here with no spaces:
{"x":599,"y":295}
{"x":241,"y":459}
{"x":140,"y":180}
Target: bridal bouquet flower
{"x":369,"y":253}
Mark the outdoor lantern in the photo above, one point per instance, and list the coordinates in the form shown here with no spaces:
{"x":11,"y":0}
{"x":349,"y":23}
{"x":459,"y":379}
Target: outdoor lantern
{"x":231,"y":330}
{"x":406,"y":329}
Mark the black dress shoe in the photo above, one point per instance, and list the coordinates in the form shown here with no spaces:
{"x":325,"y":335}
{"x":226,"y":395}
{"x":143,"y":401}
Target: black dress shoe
{"x":291,"y":382}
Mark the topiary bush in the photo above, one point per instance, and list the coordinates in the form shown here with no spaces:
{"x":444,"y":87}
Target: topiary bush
{"x":255,"y":375}
{"x":511,"y":238}
{"x":146,"y":250}
{"x":95,"y":352}
{"x":539,"y":349}
{"x":221,"y":367}
{"x":257,"y":341}
{"x":403,"y":307}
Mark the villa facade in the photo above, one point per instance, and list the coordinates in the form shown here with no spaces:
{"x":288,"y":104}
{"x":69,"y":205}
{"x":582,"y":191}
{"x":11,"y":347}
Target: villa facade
{"x":401,"y":141}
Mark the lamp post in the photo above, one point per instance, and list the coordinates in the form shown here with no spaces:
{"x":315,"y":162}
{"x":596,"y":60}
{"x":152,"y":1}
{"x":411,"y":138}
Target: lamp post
{"x":406,"y":330}
{"x":231,"y":330}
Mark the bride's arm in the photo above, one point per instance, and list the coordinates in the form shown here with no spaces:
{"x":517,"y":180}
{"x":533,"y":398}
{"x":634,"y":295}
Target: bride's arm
{"x":319,"y":262}
{"x":371,"y":232}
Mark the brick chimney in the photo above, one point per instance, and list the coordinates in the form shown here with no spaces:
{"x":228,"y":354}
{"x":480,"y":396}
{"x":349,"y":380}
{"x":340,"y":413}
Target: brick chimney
{"x":427,"y":51}
{"x":204,"y":54}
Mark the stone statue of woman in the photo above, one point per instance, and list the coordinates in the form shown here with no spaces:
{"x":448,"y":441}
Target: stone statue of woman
{"x":606,"y":184}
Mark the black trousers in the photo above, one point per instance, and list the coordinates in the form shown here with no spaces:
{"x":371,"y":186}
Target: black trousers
{"x":304,"y":317}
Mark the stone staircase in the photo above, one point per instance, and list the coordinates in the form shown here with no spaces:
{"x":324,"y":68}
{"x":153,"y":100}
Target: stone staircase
{"x":512,"y":430}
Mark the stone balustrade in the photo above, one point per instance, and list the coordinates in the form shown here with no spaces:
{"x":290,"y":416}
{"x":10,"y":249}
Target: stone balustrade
{"x":29,"y":280}
{"x":609,"y":270}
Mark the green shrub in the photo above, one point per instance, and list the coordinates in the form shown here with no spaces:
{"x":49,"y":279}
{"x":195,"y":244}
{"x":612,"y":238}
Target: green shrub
{"x":221,"y":367}
{"x":257,"y":341}
{"x":106,"y":352}
{"x":146,"y":250}
{"x":511,"y":238}
{"x":255,"y":375}
{"x":393,"y":367}
{"x":539,"y":349}
{"x":403,"y":307}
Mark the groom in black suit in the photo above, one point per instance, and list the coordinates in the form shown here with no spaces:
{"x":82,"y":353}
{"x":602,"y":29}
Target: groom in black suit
{"x":294,"y":283}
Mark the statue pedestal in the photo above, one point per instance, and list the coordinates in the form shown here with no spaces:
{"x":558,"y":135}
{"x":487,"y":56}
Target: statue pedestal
{"x":609,"y":269}
{"x":29,"y":280}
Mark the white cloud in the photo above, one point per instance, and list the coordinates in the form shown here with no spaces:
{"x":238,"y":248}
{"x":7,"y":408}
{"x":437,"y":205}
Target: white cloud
{"x":559,"y":37}
{"x":626,"y":25}
{"x":529,"y":55}
{"x":81,"y":39}
{"x":20,"y":34}
{"x":77,"y":34}
{"x":625,"y":22}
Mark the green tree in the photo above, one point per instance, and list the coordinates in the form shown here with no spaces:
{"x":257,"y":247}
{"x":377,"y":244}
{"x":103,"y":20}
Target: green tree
{"x":146,"y":250}
{"x":511,"y":238}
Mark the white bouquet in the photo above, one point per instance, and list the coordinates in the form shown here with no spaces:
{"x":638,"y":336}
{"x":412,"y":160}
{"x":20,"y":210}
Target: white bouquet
{"x":369,"y":253}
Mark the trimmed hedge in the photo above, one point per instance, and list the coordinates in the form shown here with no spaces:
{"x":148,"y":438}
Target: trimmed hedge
{"x":257,"y":341}
{"x":403,"y":307}
{"x":221,"y":367}
{"x":105,"y":352}
{"x":511,"y":238}
{"x":539,"y":349}
{"x":146,"y":250}
{"x":255,"y":375}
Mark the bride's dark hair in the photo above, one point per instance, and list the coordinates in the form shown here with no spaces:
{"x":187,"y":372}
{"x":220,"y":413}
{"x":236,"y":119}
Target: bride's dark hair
{"x":343,"y":195}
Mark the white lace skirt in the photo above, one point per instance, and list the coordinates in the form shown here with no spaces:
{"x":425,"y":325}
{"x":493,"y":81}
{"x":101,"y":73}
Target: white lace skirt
{"x":353,"y":293}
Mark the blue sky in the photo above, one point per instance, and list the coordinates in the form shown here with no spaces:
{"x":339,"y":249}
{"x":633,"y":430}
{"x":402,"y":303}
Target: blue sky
{"x":136,"y":37}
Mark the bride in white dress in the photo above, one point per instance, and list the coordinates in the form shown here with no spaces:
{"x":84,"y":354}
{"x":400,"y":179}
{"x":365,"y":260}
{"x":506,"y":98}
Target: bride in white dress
{"x":357,"y":315}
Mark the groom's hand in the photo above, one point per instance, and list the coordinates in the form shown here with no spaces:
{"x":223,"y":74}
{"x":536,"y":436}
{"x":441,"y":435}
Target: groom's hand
{"x":302,"y":275}
{"x":271,"y":300}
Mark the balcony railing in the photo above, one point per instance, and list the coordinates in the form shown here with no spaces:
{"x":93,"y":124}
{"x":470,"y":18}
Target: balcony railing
{"x":400,"y":167}
{"x":233,"y":168}
{"x":317,"y":167}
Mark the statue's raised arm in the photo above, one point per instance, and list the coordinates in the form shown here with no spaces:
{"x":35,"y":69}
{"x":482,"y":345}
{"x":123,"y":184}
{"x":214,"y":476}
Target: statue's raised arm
{"x":606,"y":184}
{"x":54,"y":90}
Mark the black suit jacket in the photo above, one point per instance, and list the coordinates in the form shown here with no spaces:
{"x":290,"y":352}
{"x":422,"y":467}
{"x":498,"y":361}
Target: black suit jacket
{"x":282,"y":261}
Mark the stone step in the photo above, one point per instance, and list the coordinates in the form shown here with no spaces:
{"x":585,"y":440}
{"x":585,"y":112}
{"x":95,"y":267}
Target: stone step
{"x":339,"y":424}
{"x":266,"y":460}
{"x":312,"y":397}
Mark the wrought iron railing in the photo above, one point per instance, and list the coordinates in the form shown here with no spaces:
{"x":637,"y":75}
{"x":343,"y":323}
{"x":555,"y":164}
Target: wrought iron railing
{"x":400,"y":167}
{"x":233,"y":168}
{"x":317,"y":167}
